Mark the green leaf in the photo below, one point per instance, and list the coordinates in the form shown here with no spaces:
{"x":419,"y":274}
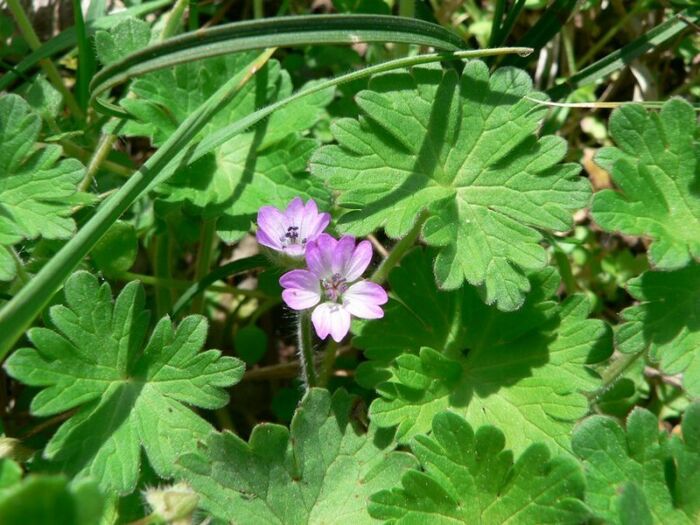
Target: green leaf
{"x":524,"y":371}
{"x":37,"y":190}
{"x":641,"y":476}
{"x":117,"y":250}
{"x":129,"y":396}
{"x":48,"y":500}
{"x":470,"y":478}
{"x":322,"y":471}
{"x":666,"y":322}
{"x":265,"y":166}
{"x":44,"y":98}
{"x":128,"y":36}
{"x":656,"y":168}
{"x":466,"y":150}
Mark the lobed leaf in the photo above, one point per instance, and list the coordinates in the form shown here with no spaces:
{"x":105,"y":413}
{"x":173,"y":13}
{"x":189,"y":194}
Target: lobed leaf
{"x":37,"y":190}
{"x":656,"y":168}
{"x":666,"y":322}
{"x":640,"y":475}
{"x":468,"y":477}
{"x":465,"y":149}
{"x":128,"y":395}
{"x":525,"y":372}
{"x":323,"y":470}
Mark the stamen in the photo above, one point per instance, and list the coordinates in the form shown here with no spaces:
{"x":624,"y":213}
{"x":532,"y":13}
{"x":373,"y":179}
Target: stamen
{"x":292,"y":236}
{"x":334,"y":286}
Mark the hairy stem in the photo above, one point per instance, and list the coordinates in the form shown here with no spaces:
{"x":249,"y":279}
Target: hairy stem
{"x":399,"y":250}
{"x":615,"y":371}
{"x":25,"y":27}
{"x":306,"y":351}
{"x":21,"y":274}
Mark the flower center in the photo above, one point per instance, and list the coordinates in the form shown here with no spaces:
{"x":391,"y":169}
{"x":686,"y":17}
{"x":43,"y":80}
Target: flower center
{"x":334,"y":286}
{"x":292,"y":237}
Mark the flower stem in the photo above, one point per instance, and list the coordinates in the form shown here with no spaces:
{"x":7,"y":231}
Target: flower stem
{"x":399,"y":250}
{"x":306,"y":351}
{"x":328,"y":362}
{"x":103,"y":148}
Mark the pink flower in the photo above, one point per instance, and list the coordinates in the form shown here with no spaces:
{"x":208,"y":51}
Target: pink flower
{"x":332,"y":285}
{"x":289,"y":232}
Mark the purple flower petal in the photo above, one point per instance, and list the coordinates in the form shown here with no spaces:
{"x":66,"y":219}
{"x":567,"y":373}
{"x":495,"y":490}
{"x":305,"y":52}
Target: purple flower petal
{"x":342,"y":255}
{"x":312,"y":223}
{"x":294,"y":250}
{"x":301,"y":289}
{"x":264,"y":239}
{"x":331,"y":318}
{"x":274,"y":224}
{"x":363,"y":298}
{"x":295,"y":212}
{"x":358,"y":262}
{"x":319,"y":255}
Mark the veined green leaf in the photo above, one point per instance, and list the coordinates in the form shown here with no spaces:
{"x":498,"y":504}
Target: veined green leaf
{"x":321,"y":471}
{"x":464,"y":149}
{"x":666,"y":322}
{"x":525,"y":372}
{"x":130,"y":394}
{"x":656,"y":166}
{"x":640,"y":475}
{"x":37,"y":190}
{"x":469,"y":478}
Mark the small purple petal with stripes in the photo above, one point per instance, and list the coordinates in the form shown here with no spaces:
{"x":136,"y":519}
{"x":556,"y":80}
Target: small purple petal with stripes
{"x":291,"y":231}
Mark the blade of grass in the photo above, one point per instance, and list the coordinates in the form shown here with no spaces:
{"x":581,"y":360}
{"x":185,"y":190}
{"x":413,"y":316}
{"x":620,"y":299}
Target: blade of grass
{"x":509,"y":22}
{"x":257,"y":34}
{"x":546,"y":28}
{"x":67,"y":39}
{"x":49,"y":68}
{"x":86,"y":58}
{"x":19,"y":313}
{"x":617,"y":60}
{"x":498,"y":10}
